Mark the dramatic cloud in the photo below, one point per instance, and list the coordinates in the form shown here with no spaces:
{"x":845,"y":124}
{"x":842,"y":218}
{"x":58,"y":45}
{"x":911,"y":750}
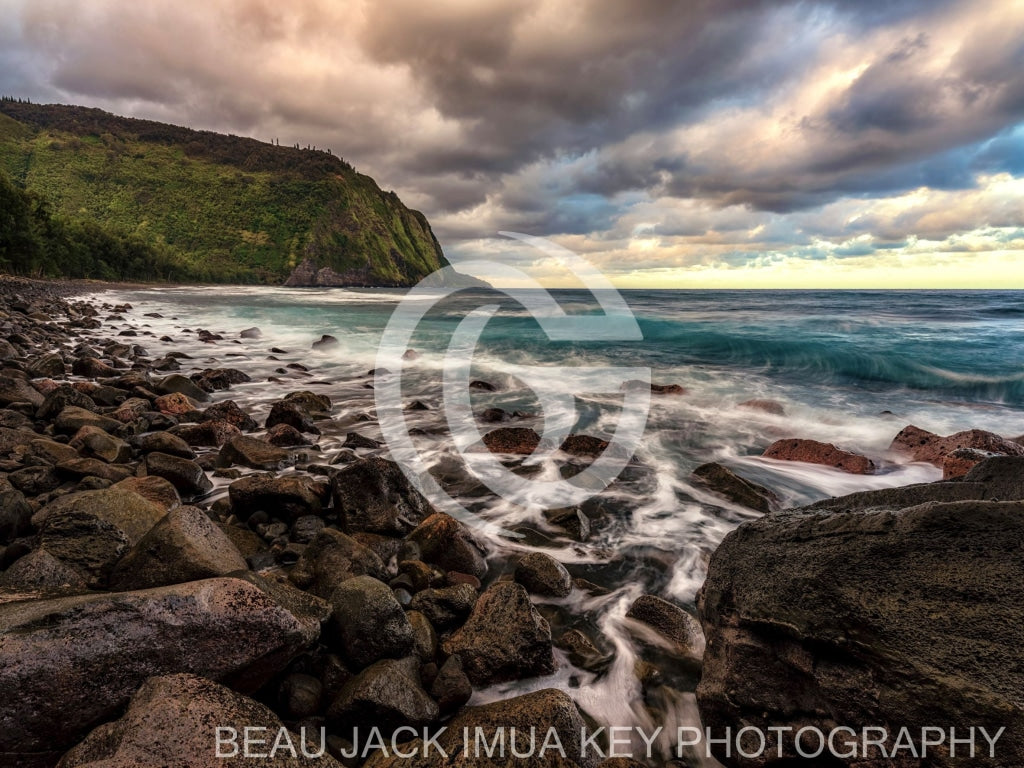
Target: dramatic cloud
{"x":663,"y":139}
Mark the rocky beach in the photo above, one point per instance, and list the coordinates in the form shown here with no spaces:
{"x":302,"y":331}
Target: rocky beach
{"x":174,"y":562}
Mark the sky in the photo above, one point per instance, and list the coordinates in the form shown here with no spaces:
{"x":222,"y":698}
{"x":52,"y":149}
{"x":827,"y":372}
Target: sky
{"x":695,"y":144}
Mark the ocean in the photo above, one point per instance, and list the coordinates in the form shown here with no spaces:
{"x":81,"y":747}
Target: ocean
{"x":846,"y":367}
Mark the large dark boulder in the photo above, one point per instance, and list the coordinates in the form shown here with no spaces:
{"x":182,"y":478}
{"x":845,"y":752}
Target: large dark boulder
{"x":447,"y":543}
{"x":225,"y":629}
{"x":331,"y":558}
{"x":891,"y":618}
{"x":922,"y":445}
{"x":386,"y":695}
{"x":168,"y":725}
{"x":284,"y":497}
{"x":251,"y":452}
{"x":723,"y":481}
{"x":368,"y":623}
{"x":374,"y":495}
{"x":505,"y":637}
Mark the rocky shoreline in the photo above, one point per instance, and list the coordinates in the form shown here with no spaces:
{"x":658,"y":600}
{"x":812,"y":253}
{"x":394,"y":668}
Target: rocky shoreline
{"x":136,"y":615}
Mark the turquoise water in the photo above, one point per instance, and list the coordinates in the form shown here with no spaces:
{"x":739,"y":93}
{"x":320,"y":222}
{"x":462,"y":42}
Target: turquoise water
{"x":851,"y":368}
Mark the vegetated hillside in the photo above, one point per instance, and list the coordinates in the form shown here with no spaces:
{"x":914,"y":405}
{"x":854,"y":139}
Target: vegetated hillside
{"x":205,"y":206}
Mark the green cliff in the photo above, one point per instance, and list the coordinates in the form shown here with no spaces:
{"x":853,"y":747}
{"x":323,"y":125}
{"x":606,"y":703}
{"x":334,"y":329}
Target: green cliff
{"x":120,"y":196}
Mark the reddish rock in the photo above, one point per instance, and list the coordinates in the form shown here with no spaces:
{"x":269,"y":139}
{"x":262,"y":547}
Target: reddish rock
{"x":174,"y":404}
{"x":656,"y":389}
{"x":813,"y":452}
{"x":285,"y":436}
{"x":584,"y":445}
{"x":519,"y":440}
{"x":961,"y":461}
{"x":208,"y":433}
{"x":131,"y":409}
{"x":922,"y":445}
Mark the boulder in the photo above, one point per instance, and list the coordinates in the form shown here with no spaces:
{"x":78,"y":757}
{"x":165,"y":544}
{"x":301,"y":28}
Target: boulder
{"x":284,"y":497}
{"x":671,"y":622}
{"x":15,"y":390}
{"x":225,"y":629}
{"x":51,"y":451}
{"x":445,"y":606}
{"x":813,"y":452}
{"x":178,"y":384}
{"x":185,"y":545}
{"x":290,"y":413}
{"x":386,"y":695}
{"x":207,"y":433}
{"x":961,"y":461}
{"x":451,"y":688}
{"x":723,"y":481}
{"x":541,"y":574}
{"x":585,"y":446}
{"x":15,"y":514}
{"x":251,"y":452}
{"x":163,"y":442}
{"x":47,"y":366}
{"x":774,"y":407}
{"x":571,"y":521}
{"x":39,"y":570}
{"x":504,"y":639}
{"x":217,"y":379}
{"x":285,"y":436}
{"x":899,"y":618}
{"x":60,"y":398}
{"x":229,"y":411}
{"x":83,"y":468}
{"x":33,"y":481}
{"x":374,"y":495}
{"x":156,"y":489}
{"x":514,"y":440}
{"x":126,"y":511}
{"x":326,"y":341}
{"x":169,"y":724}
{"x":332,"y":558}
{"x":922,"y":445}
{"x":72,"y":418}
{"x":447,"y":543}
{"x":250,"y":333}
{"x":92,"y":368}
{"x":367,"y":622}
{"x":316,"y":406}
{"x":92,"y":442}
{"x":175,"y":404}
{"x":184,"y":474}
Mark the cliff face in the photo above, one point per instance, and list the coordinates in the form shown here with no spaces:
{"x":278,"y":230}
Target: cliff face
{"x":229,"y":209}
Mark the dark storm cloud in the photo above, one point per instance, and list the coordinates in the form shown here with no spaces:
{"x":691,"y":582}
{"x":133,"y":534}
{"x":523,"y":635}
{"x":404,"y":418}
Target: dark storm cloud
{"x":557,"y":117}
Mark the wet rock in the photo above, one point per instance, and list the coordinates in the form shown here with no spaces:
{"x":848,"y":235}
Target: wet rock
{"x":72,"y":418}
{"x":331,"y":559}
{"x":217,"y":379}
{"x":33,"y":481}
{"x":374,"y":495}
{"x":447,"y":543}
{"x":582,"y":651}
{"x":482,"y":386}
{"x":169,"y":724}
{"x":300,"y":696}
{"x":287,"y":497}
{"x":671,"y":622}
{"x":912,"y":616}
{"x":306,"y":528}
{"x":961,"y":461}
{"x":386,"y":695}
{"x":183,"y":546}
{"x":813,"y":452}
{"x":515,"y":440}
{"x":451,"y":688}
{"x":126,"y":511}
{"x":367,"y":622}
{"x":285,"y":436}
{"x":174,"y":404}
{"x":92,"y":368}
{"x":206,"y":434}
{"x":184,"y":474}
{"x":39,"y":570}
{"x":15,"y":514}
{"x":543,"y":710}
{"x":229,"y":411}
{"x":285,"y":412}
{"x":156,"y":489}
{"x":656,"y":389}
{"x":47,"y":366}
{"x":584,"y":445}
{"x":316,"y":406}
{"x":83,"y":468}
{"x":132,"y":409}
{"x":571,"y":520}
{"x":60,"y":398}
{"x":774,"y":407}
{"x":325,"y":342}
{"x":922,"y":445}
{"x":93,"y":442}
{"x":424,"y":636}
{"x":726,"y":483}
{"x":251,"y":333}
{"x":254,"y":453}
{"x":446,"y":606}
{"x":541,"y":574}
{"x":178,"y":384}
{"x":356,"y":440}
{"x":504,"y":639}
{"x":163,"y":442}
